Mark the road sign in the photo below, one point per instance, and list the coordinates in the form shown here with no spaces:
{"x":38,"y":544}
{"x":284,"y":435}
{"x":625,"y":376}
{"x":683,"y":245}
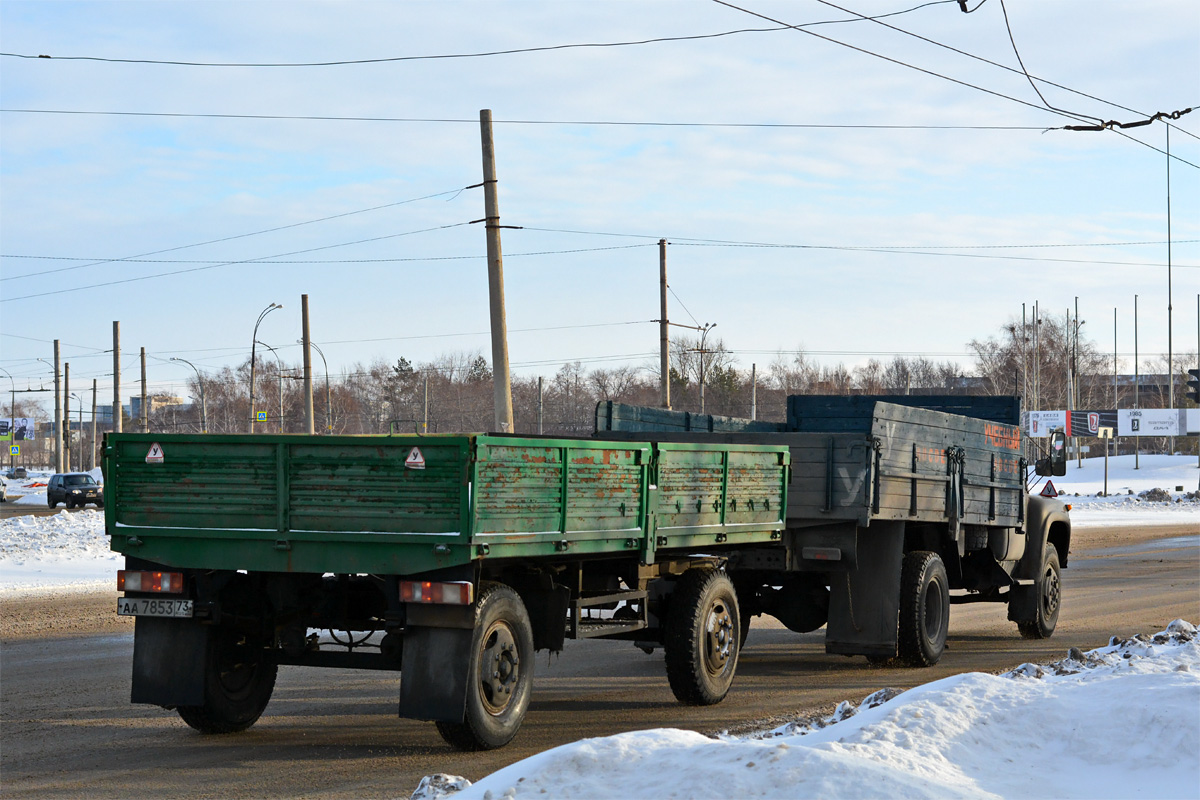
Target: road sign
{"x":1105,"y":433}
{"x":14,"y":449}
{"x":1048,"y":490}
{"x":415,"y":460}
{"x":260,"y":416}
{"x":155,"y":454}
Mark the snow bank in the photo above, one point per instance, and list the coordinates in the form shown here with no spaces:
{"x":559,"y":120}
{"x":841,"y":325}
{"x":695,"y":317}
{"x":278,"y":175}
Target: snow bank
{"x":1118,"y":721}
{"x":64,"y":550}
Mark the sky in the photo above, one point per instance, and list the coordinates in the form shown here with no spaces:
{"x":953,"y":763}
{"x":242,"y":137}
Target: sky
{"x":848,"y":188}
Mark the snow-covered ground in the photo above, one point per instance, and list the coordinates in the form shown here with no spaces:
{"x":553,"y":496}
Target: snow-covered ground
{"x":1121,"y":721}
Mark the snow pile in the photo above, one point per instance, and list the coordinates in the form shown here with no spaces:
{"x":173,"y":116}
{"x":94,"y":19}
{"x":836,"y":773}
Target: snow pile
{"x":1117,"y":721}
{"x":67,"y":549}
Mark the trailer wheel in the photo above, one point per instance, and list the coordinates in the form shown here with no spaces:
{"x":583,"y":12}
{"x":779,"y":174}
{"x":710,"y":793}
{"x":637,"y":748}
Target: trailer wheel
{"x":1049,"y":592}
{"x":703,"y":637}
{"x":924,"y":608}
{"x":500,"y":678}
{"x":239,"y":677}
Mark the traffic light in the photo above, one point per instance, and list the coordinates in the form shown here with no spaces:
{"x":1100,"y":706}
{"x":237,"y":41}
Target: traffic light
{"x":1194,"y":385}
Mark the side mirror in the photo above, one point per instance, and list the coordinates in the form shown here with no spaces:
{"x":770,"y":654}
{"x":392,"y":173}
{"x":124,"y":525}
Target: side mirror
{"x":1054,"y":464}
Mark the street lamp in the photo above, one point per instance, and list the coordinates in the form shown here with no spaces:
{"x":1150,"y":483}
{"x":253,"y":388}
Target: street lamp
{"x":328,"y":416}
{"x":279,"y":362}
{"x":80,"y":399}
{"x":704,"y":329}
{"x":200,"y":382}
{"x":253,"y":341}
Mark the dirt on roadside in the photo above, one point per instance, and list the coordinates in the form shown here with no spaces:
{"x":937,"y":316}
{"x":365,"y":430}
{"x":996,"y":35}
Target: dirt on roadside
{"x":59,"y":613}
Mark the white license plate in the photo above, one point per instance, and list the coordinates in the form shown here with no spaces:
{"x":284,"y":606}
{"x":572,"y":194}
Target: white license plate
{"x":153,"y":607}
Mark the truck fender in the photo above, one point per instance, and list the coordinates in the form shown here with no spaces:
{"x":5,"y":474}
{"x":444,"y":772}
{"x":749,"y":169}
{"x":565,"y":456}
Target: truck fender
{"x":1046,"y":521}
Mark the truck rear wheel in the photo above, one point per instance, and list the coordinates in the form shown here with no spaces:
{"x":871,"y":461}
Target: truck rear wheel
{"x":924,"y":608}
{"x":1049,"y":598}
{"x":500,"y":678}
{"x":239,"y":677}
{"x":703,"y":637}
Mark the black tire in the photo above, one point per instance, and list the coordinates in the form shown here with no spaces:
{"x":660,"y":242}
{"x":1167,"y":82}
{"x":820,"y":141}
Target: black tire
{"x":1049,"y":593}
{"x":703,"y":637}
{"x":500,"y":677}
{"x":924,"y":609}
{"x":239,"y":677}
{"x":51,"y":503}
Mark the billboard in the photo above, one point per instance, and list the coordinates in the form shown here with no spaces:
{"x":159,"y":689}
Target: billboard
{"x":20,"y":429}
{"x":1151,"y":422}
{"x":1040,"y":423}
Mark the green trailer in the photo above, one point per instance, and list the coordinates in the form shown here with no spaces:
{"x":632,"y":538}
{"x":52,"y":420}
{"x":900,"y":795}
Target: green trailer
{"x":450,"y":559}
{"x":893,"y":504}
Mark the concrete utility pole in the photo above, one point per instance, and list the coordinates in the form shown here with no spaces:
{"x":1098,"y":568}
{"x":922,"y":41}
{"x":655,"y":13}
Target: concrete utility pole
{"x":540,"y":407}
{"x":664,"y":335}
{"x":1137,"y":386}
{"x":65,"y":435}
{"x":93,"y":458}
{"x":309,"y":423}
{"x":57,"y":410}
{"x":116,"y":376}
{"x":491,"y":210}
{"x":145,"y":406}
{"x":754,"y":391}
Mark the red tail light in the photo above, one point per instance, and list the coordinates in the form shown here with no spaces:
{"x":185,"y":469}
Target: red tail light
{"x":458,"y":593}
{"x":146,"y":581}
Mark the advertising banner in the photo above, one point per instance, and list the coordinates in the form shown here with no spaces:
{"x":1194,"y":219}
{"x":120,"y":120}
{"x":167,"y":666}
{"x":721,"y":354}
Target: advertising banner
{"x":20,"y":429}
{"x":1040,"y":423}
{"x":1151,"y":422}
{"x":1089,"y":423}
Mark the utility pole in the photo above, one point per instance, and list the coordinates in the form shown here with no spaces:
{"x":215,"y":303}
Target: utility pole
{"x":502,"y":393}
{"x":116,"y":376}
{"x":539,"y":414}
{"x":308,"y":388}
{"x":145,"y":407}
{"x":58,"y":459}
{"x":66,"y":418}
{"x":93,"y":458}
{"x":753,"y":391}
{"x":425,"y":419}
{"x":1137,"y":386}
{"x":1170,"y":348}
{"x":664,"y":336}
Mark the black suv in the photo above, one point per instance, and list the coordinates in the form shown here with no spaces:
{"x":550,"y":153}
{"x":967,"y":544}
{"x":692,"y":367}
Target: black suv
{"x":74,"y":489}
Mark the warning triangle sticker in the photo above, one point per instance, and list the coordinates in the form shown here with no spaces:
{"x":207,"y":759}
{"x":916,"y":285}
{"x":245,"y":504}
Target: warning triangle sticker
{"x":155,"y":454}
{"x":415,"y":460}
{"x":1048,"y":490}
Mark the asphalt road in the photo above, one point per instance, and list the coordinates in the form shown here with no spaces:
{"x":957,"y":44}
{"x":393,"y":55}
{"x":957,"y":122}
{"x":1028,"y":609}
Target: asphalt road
{"x":66,"y":729}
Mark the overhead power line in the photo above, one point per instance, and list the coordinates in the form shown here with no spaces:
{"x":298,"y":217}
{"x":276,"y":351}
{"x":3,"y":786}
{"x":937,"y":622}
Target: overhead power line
{"x":229,"y":263}
{"x":932,"y":73}
{"x":446,"y":56}
{"x":582,"y":122}
{"x":234,"y":237}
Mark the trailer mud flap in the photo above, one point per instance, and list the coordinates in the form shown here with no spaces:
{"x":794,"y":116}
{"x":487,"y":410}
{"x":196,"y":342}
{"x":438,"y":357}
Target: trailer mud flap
{"x":864,"y":603}
{"x":168,"y":662}
{"x":433,"y":678}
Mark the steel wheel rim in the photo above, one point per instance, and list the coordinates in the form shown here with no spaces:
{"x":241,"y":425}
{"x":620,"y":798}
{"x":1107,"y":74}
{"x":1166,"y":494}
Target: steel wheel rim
{"x":718,"y":638}
{"x":1051,"y":592}
{"x":499,"y":667}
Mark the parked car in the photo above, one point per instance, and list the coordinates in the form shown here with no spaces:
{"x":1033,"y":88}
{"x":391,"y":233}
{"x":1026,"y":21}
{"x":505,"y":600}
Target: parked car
{"x":18,"y":473}
{"x":3,"y":491}
{"x":74,"y":489}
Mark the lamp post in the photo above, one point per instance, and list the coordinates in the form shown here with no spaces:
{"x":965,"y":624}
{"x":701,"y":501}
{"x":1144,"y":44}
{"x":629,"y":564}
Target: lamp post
{"x":253,"y":341}
{"x":704,"y":329}
{"x":279,"y":364}
{"x":328,"y":415}
{"x":79,"y":465}
{"x":203,"y":406}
